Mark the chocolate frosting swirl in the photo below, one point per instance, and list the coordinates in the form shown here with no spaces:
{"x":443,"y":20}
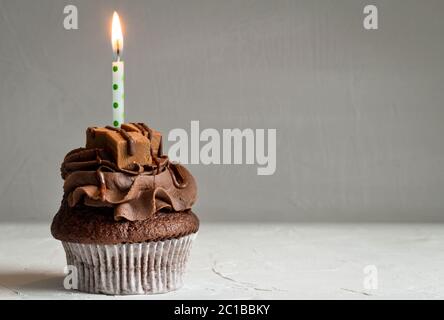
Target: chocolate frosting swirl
{"x":136,"y":193}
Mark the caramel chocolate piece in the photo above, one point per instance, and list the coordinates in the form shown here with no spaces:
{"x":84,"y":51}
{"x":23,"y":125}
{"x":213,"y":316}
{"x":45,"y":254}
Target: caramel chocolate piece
{"x":126,"y":147}
{"x":154,"y":136}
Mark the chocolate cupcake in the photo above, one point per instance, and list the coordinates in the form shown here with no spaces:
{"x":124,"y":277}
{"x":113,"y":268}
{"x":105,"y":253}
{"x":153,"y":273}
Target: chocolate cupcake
{"x":125,"y":220}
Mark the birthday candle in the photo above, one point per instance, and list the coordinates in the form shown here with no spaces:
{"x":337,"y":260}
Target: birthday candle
{"x":118,"y":68}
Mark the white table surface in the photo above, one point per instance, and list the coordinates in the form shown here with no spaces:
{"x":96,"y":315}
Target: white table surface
{"x":256,"y":261}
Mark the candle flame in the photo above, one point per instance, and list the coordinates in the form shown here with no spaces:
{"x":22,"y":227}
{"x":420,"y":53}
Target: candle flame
{"x":116,"y":35}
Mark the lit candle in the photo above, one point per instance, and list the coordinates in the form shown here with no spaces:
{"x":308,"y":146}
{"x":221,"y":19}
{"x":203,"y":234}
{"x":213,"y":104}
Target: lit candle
{"x":118,"y":73}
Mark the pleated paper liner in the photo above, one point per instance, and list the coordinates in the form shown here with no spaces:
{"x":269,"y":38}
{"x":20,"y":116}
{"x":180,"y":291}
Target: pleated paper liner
{"x":133,"y":268}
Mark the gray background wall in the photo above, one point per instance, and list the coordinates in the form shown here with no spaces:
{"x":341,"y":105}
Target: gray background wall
{"x":359,"y":113}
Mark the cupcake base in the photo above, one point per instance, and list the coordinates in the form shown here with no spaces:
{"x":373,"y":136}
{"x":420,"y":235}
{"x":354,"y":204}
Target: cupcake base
{"x":130,"y":268}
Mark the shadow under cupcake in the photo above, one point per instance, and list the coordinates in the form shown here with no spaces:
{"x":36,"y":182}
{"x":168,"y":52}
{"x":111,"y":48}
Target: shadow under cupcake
{"x":125,"y":220}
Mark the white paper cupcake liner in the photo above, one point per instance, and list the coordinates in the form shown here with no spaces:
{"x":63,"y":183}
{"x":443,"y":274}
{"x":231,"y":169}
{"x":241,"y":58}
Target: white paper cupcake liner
{"x":133,"y":268}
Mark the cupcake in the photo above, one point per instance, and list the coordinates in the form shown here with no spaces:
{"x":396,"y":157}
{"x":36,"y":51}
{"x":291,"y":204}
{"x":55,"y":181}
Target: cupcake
{"x":125,"y":220}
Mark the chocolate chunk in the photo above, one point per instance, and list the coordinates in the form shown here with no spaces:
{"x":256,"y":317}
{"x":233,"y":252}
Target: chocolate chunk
{"x":153,"y":135}
{"x":126,"y":147}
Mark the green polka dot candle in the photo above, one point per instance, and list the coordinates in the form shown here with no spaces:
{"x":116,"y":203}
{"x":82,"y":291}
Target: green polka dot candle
{"x":118,"y":104}
{"x":118,"y":68}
